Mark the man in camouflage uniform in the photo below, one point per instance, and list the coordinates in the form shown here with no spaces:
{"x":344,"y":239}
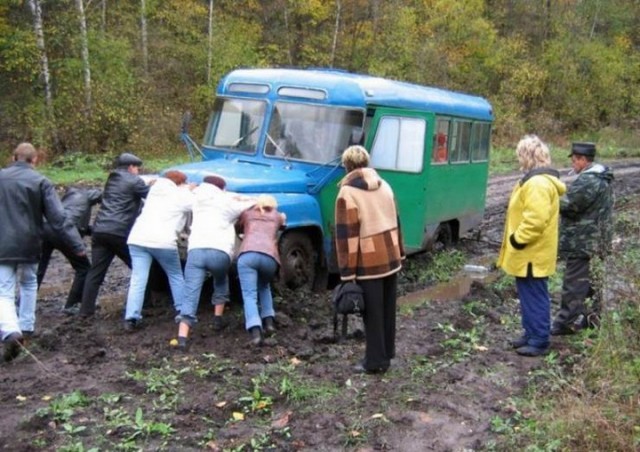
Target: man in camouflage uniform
{"x":585,"y":235}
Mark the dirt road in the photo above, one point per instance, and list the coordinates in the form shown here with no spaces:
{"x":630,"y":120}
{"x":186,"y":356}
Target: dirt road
{"x":92,"y":385}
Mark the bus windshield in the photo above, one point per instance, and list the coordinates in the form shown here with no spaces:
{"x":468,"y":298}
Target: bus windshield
{"x":235,"y":124}
{"x":310,"y":132}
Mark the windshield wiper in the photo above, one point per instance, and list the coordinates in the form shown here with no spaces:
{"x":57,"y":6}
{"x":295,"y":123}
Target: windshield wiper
{"x":243,"y":137}
{"x":285,"y":155}
{"x":336,"y":162}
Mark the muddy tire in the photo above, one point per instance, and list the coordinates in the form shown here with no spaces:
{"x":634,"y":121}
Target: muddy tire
{"x":443,"y":237}
{"x":298,"y":261}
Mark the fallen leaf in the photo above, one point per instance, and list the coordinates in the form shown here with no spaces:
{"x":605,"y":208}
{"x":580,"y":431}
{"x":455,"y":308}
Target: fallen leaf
{"x":282,"y":421}
{"x":238,"y":416}
{"x":221,"y":404}
{"x":213,"y":446}
{"x":480,"y":348}
{"x":261,"y":405}
{"x":21,"y":398}
{"x":46,"y":398}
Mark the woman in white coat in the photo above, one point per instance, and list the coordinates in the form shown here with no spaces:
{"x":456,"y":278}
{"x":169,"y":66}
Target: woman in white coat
{"x":154,"y":236}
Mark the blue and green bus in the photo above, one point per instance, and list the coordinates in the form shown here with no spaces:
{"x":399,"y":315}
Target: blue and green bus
{"x":282,"y":132}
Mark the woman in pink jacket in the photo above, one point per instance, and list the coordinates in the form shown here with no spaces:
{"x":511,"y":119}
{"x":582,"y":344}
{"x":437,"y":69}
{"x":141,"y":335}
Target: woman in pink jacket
{"x":258,"y":263}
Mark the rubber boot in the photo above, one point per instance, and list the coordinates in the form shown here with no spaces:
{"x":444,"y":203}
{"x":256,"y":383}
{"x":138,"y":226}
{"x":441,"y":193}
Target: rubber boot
{"x":256,"y":336}
{"x":269,"y":325}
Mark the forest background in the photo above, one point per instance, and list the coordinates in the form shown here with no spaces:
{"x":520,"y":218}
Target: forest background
{"x":100,"y":76}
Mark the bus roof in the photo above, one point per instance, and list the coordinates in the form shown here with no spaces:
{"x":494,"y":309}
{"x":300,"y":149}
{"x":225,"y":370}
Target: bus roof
{"x":359,"y":90}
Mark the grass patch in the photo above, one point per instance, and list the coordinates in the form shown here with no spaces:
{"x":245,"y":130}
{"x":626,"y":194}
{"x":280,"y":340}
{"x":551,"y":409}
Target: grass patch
{"x":432,"y":268}
{"x":588,"y":400}
{"x":71,"y":415}
{"x":78,"y":168}
{"x":610,"y":145}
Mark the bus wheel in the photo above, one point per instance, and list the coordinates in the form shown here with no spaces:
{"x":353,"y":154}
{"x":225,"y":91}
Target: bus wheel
{"x":298,"y":261}
{"x":444,"y":237}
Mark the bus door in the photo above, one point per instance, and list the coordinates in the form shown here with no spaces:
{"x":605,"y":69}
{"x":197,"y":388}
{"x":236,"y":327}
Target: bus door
{"x":396,"y":141}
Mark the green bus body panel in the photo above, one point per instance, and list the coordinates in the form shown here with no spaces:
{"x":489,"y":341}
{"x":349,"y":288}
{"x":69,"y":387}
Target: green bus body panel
{"x":437,"y":194}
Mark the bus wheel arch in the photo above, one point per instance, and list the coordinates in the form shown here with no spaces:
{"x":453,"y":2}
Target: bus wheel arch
{"x":446,"y":235}
{"x":298,"y":250}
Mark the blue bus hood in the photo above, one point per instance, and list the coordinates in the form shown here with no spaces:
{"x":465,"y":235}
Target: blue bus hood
{"x":288,"y":186}
{"x":244,"y":176}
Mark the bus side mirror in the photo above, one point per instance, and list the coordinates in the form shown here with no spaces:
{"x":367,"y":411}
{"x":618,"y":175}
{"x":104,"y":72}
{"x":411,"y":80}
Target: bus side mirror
{"x":186,"y":121}
{"x":357,"y":137}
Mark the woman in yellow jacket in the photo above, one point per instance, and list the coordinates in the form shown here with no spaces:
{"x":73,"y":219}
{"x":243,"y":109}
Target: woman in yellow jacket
{"x":530,"y":244}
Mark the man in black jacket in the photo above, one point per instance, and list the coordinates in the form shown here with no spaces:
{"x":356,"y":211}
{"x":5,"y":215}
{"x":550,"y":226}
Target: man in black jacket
{"x":77,"y":203}
{"x":121,"y":200}
{"x":26,"y":197}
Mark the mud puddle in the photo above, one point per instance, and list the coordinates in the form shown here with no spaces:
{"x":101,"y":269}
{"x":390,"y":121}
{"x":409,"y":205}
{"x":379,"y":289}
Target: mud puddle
{"x":455,"y":289}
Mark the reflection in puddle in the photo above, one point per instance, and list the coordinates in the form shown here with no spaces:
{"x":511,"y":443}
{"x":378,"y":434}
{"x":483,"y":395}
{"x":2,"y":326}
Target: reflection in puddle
{"x":456,"y":289}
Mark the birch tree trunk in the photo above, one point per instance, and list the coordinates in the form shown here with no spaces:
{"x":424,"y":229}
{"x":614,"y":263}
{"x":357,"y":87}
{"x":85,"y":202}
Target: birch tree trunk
{"x":36,"y":10}
{"x":335,"y":32}
{"x":210,"y":47}
{"x":103,"y":17}
{"x":286,"y":26}
{"x":143,"y":32}
{"x":86,"y":68}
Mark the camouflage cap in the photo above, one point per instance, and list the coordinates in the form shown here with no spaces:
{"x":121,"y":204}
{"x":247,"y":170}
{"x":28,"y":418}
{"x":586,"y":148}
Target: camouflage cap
{"x":588,"y":149}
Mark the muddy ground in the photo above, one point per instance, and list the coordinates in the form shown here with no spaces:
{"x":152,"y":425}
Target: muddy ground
{"x":93,"y":385}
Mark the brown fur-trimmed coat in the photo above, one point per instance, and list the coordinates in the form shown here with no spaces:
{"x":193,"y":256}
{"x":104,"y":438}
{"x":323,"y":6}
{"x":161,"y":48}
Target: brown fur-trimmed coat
{"x":368,"y":237}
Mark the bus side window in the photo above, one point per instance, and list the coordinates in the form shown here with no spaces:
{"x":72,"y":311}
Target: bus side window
{"x":399,"y":144}
{"x":440,"y":150}
{"x":441,"y":154}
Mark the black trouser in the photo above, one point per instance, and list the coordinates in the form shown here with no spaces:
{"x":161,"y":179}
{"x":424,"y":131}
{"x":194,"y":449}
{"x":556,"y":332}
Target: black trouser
{"x":379,"y":321}
{"x":576,"y":288}
{"x":80,"y":264}
{"x":104,"y":247}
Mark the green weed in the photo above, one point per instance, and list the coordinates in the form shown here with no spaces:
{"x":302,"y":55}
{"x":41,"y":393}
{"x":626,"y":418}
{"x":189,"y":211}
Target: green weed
{"x":63,"y":408}
{"x":422,"y":368}
{"x":145,"y":428}
{"x":296,"y":389}
{"x":164,"y":381}
{"x":433,"y":268}
{"x":257,"y":401}
{"x":77,"y":447}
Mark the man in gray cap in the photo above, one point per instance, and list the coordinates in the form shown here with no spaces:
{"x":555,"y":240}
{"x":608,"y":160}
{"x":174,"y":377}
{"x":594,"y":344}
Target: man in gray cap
{"x":121,"y":201}
{"x":585,"y":237}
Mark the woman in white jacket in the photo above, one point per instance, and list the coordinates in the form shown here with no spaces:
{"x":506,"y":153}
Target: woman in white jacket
{"x":211,"y":249}
{"x":154,"y":236}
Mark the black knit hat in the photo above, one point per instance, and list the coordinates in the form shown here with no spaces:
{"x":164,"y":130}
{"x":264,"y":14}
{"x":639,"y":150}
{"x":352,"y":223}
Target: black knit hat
{"x":125,"y":159}
{"x":588,"y":149}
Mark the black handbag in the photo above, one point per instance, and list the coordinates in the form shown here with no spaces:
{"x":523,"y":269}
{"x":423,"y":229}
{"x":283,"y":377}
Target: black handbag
{"x":348,"y":298}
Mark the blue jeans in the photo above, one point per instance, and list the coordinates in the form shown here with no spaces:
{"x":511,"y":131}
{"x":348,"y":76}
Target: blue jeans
{"x":141,"y":259}
{"x":255,"y":272}
{"x":10,"y":320}
{"x":199,"y":261}
{"x":535,"y":307}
